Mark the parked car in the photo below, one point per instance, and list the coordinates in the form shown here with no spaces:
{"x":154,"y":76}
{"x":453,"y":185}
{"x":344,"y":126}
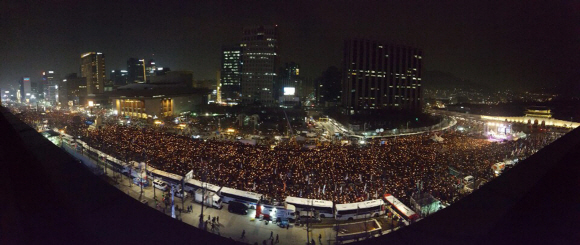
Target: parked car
{"x":238,"y":208}
{"x":160,"y":185}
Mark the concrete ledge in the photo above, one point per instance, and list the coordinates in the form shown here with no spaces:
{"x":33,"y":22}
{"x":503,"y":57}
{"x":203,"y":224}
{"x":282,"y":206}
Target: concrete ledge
{"x":52,"y":199}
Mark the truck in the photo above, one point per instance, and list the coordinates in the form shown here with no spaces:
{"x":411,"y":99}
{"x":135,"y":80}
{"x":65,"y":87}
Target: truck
{"x":286,"y":212}
{"x":211,"y":198}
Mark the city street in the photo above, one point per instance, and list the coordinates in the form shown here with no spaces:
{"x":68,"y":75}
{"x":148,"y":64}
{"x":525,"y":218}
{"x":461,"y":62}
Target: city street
{"x":332,"y":126}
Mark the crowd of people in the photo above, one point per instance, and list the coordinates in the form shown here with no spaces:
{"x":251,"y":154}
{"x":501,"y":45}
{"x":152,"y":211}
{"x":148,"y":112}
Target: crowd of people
{"x":342,"y":174}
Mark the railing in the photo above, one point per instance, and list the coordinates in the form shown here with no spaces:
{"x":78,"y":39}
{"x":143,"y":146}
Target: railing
{"x":444,"y":124}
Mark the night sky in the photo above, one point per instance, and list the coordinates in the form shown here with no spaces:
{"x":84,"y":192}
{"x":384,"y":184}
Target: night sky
{"x":500,"y":43}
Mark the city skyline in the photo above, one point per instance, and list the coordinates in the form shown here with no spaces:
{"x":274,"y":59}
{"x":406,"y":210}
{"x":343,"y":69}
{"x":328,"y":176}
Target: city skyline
{"x":502,"y":44}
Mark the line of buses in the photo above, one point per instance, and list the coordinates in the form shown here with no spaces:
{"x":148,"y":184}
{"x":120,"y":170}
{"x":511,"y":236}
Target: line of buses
{"x":318,"y":208}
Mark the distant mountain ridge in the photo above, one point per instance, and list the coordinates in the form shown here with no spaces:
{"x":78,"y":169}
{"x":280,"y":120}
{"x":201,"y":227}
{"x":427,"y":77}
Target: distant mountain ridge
{"x":446,"y":80}
{"x":570,"y":87}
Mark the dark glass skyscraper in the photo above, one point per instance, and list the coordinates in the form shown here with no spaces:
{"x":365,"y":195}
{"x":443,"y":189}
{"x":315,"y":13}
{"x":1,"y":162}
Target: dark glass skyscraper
{"x":136,"y":70}
{"x":74,"y":90}
{"x":288,"y":77}
{"x":380,"y":75}
{"x":260,"y":49}
{"x":231,"y":73}
{"x":119,"y":77}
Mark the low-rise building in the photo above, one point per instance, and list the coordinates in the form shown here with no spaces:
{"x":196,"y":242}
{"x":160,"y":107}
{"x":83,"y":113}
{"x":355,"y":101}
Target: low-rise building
{"x":157,"y":103}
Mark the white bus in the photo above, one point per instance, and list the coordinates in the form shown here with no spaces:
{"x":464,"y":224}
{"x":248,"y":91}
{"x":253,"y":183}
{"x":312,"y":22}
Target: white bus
{"x":165,"y":176}
{"x":81,"y":144}
{"x":193,"y":184}
{"x":115,"y":163}
{"x":247,"y":197}
{"x":360,"y":210}
{"x":67,"y":139}
{"x":400,"y":208}
{"x":324,"y":208}
{"x":212,"y":187}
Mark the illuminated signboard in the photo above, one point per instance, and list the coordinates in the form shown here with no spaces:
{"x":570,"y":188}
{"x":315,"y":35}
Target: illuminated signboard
{"x":289,"y":90}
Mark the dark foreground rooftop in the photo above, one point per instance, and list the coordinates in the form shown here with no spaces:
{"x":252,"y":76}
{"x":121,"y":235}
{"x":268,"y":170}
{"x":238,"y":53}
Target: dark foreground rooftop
{"x":536,"y":202}
{"x":48,"y":198}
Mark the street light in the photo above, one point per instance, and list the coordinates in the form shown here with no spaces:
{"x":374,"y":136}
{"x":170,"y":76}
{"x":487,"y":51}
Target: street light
{"x":141,"y":178}
{"x":154,"y":195}
{"x":202,"y":197}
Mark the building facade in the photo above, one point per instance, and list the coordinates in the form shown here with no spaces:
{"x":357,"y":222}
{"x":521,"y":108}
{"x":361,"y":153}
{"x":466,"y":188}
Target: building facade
{"x":50,"y":81}
{"x":380,"y":75}
{"x":25,"y":90}
{"x":149,"y":106}
{"x":231,"y":73}
{"x":93,"y":68}
{"x":119,"y":77}
{"x":150,"y":69}
{"x":260,"y":51}
{"x":288,"y":87}
{"x":72,"y":90}
{"x":328,"y":87}
{"x":35,"y":90}
{"x":136,"y":70}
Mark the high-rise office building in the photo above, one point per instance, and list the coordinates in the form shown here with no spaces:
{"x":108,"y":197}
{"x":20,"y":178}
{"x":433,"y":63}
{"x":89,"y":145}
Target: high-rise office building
{"x":151,"y":69}
{"x":328,"y":87}
{"x":25,"y":89}
{"x":136,"y":70}
{"x":36,"y":89}
{"x":260,"y":50}
{"x":231,"y":73}
{"x":72,"y":90}
{"x":288,"y":77}
{"x":119,"y":77}
{"x":380,"y":75}
{"x":50,"y":81}
{"x":218,"y":89}
{"x":93,"y":68}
